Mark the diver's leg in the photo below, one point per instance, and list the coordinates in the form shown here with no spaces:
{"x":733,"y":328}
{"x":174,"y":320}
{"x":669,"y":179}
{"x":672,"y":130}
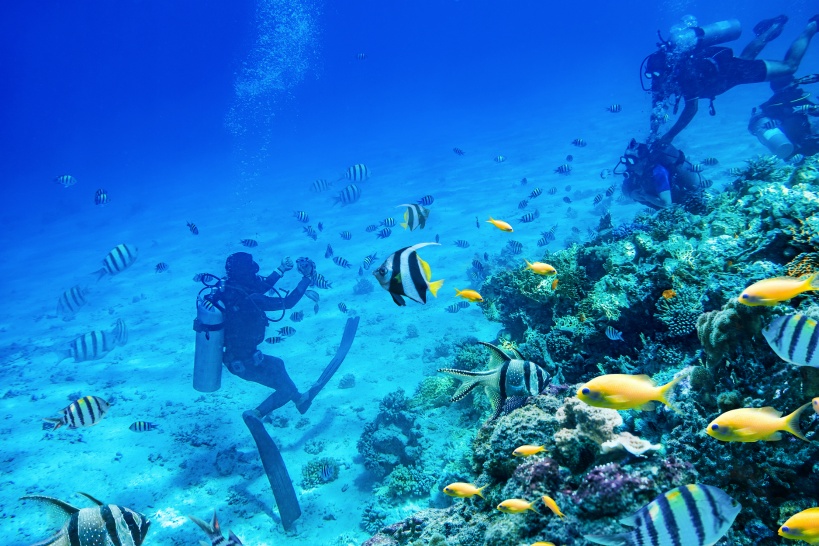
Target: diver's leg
{"x":765,"y":31}
{"x":276,"y":377}
{"x":788,"y":66}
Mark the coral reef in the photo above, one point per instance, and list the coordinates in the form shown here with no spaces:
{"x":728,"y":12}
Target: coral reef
{"x":319,"y":471}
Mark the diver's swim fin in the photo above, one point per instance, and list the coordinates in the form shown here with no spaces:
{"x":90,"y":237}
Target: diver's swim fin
{"x":275,"y":469}
{"x":776,"y":23}
{"x":303,"y":404}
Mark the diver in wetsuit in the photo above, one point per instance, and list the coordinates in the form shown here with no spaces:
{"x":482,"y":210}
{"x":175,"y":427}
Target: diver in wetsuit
{"x":244,"y":303}
{"x":657,"y":177}
{"x":696,"y":68}
{"x":788,"y":123}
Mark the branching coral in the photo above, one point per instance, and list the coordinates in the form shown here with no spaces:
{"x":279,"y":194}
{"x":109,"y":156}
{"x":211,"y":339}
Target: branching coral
{"x":680,"y":313}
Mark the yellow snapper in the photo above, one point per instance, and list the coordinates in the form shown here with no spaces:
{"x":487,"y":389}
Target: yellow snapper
{"x":528,"y":450}
{"x":802,"y":526}
{"x":755,"y":424}
{"x":773,"y":291}
{"x":468,"y":294}
{"x":541,"y":268}
{"x":552,"y":505}
{"x":622,"y":392}
{"x":515,"y":506}
{"x":815,"y":403}
{"x":463,"y":490}
{"x":541,"y":543}
{"x":500,"y":224}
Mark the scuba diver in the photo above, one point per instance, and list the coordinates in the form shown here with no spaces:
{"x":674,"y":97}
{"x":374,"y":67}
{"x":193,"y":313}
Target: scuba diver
{"x":657,"y":177}
{"x":788,"y":123}
{"x":230,"y":324}
{"x":691,"y":66}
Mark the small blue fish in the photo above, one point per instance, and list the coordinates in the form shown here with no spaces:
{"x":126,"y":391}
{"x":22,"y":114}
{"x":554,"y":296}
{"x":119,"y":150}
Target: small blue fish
{"x":426,"y":200}
{"x":297,"y":316}
{"x":453,"y":308}
{"x":287,"y":331}
{"x":301,"y":216}
{"x":460,"y":243}
{"x":536,"y":192}
{"x":143,"y":426}
{"x":342,"y":307}
{"x":338,"y":260}
{"x":614,"y":334}
{"x":384,"y":233}
{"x":346,"y":235}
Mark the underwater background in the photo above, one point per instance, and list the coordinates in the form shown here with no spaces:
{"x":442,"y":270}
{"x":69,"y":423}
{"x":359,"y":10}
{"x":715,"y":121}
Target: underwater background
{"x":224,"y":114}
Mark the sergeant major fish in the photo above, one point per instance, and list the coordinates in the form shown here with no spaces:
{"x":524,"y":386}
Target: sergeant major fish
{"x":71,"y":301}
{"x":404,"y":273}
{"x":118,"y":260}
{"x":85,"y":412}
{"x":96,"y":344}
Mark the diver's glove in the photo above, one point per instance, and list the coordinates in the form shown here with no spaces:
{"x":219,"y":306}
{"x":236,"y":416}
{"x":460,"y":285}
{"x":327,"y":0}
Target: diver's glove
{"x":306,"y":267}
{"x":286,"y":265}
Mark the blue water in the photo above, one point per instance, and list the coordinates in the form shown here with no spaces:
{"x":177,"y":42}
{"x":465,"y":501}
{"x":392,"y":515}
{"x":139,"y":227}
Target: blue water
{"x":196,"y":110}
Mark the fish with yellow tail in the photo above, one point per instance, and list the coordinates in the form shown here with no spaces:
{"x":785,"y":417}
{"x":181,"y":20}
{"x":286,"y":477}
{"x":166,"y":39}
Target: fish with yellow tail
{"x":815,"y":403}
{"x":540,"y":268}
{"x":516,"y":506}
{"x":468,"y":295}
{"x":802,"y":526}
{"x":404,"y":273}
{"x":464,"y":490}
{"x":625,"y":392}
{"x":774,"y":291}
{"x":541,"y":543}
{"x":528,"y":450}
{"x":500,"y":224}
{"x":552,"y":505}
{"x":755,"y":425}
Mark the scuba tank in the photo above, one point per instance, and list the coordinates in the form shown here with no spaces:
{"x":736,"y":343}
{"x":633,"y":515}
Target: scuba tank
{"x":210,"y":340}
{"x":708,"y":35}
{"x":769,"y":134}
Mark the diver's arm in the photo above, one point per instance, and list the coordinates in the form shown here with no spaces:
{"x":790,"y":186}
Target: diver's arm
{"x":663,"y":200}
{"x":266,"y":303}
{"x":688,"y":113}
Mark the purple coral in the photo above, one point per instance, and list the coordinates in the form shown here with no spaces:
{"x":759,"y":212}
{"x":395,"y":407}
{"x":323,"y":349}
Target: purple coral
{"x":609,"y":490}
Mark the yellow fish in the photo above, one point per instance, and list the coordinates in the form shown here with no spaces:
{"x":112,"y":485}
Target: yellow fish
{"x":815,"y":403}
{"x":541,"y":268}
{"x":622,"y":392}
{"x":773,"y":291}
{"x":541,"y":543}
{"x":463,"y":490}
{"x":528,"y":450}
{"x":500,"y":224}
{"x":552,"y":505}
{"x":516,"y":506}
{"x":755,"y":424}
{"x":802,"y":526}
{"x":469,"y":295}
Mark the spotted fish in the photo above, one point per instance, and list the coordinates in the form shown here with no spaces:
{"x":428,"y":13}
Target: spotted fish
{"x":214,"y":532}
{"x":511,"y":378}
{"x":101,"y":525}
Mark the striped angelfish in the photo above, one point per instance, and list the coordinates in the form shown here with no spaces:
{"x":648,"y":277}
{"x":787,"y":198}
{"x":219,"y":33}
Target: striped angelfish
{"x":691,"y":515}
{"x":348,"y":195}
{"x":404,"y":273}
{"x":795,"y":339}
{"x":118,"y":260}
{"x":214,"y":533}
{"x":510,"y":378}
{"x":357,"y":173}
{"x":614,"y":334}
{"x":97,"y":343}
{"x":71,"y":301}
{"x":85,"y":412}
{"x":414,"y":217}
{"x":102,"y":525}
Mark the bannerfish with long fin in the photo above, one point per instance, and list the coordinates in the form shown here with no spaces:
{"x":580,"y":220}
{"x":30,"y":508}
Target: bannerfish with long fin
{"x":404,"y":273}
{"x":414,"y":217}
{"x":101,"y":525}
{"x":511,"y":378}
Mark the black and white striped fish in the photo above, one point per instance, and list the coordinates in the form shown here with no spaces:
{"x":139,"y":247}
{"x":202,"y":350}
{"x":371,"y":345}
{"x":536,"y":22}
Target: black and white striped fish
{"x":458,"y":151}
{"x":523,"y":204}
{"x":414,"y":217}
{"x":328,"y":472}
{"x":610,"y":190}
{"x":118,"y":260}
{"x":320,"y":282}
{"x":384,"y":233}
{"x":346,"y":235}
{"x":371,"y":228}
{"x":357,"y":173}
{"x":543,"y":241}
{"x":453,"y":308}
{"x":273,"y":340}
{"x":143,"y":426}
{"x":691,"y":515}
{"x":579,"y":142}
{"x":597,"y":199}
{"x":214,"y":533}
{"x":705,"y":183}
{"x":805,"y":108}
{"x":249,"y":243}
{"x":368,"y":261}
{"x":301,"y":216}
{"x":535,"y":192}
{"x":342,"y":307}
{"x":101,"y":525}
{"x":193,"y":229}
{"x":329,"y":252}
{"x":287,"y":331}
{"x":515,"y":247}
{"x":338,"y":260}
{"x":426,"y":201}
{"x":500,"y":159}
{"x":460,"y":243}
{"x":404,"y":273}
{"x":161,"y":267}
{"x":310,"y":232}
{"x":101,"y":197}
{"x":320,"y":226}
{"x":297,"y":316}
{"x":795,"y":339}
{"x":387,"y":222}
{"x":614,"y":108}
{"x":463,"y":304}
{"x":530,"y":217}
{"x":85,"y":412}
{"x":614,"y":334}
{"x":96,"y":344}
{"x":66,"y":180}
{"x":564,"y":169}
{"x":695,"y":167}
{"x":710,"y":161}
{"x":348,"y":195}
{"x":320,"y":184}
{"x":71,"y":301}
{"x":512,"y":377}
